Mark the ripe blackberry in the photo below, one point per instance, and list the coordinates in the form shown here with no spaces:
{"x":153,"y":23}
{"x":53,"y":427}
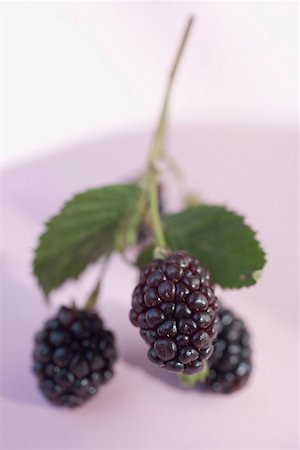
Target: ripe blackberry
{"x":73,"y":356}
{"x":230,"y":365}
{"x":175,"y":307}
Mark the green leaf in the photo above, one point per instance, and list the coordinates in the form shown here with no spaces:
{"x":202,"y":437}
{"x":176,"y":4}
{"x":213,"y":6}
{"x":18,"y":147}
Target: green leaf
{"x":127,"y":235}
{"x":220,"y":240}
{"x":83,"y":231}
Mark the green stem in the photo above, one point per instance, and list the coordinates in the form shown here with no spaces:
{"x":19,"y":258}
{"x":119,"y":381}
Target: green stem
{"x":190,"y":381}
{"x":157,"y":145}
{"x":92,"y":299}
{"x":94,"y":295}
{"x":155,"y":215}
{"x":161,"y":126}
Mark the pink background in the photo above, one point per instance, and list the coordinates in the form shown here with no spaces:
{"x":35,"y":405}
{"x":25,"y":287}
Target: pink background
{"x":75,"y":68}
{"x":254,"y":170}
{"x":92,"y":73}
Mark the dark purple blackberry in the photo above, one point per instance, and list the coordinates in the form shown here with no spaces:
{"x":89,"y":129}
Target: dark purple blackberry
{"x":73,"y":356}
{"x":230,"y":365}
{"x":175,"y":307}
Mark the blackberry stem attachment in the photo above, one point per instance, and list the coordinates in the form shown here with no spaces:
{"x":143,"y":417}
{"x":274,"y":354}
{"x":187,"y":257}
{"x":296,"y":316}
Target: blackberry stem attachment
{"x":189,"y":381}
{"x":151,"y":176}
{"x":161,"y":252}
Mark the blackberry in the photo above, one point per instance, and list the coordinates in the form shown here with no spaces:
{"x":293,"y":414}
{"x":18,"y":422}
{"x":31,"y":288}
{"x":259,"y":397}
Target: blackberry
{"x":230,"y":365}
{"x":73,"y":355}
{"x":175,"y":307}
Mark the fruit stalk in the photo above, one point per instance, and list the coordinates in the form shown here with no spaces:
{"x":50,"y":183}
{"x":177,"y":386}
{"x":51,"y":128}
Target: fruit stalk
{"x":161,"y":126}
{"x":94,"y":295}
{"x":157,"y":144}
{"x":190,"y":381}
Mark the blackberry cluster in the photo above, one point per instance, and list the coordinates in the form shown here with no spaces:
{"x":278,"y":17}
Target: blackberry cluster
{"x":230,"y":365}
{"x":73,"y":356}
{"x":175,"y":307}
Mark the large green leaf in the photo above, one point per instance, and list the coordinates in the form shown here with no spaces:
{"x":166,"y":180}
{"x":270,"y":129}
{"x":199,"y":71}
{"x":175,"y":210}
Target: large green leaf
{"x":83,"y":231}
{"x":221,"y":241}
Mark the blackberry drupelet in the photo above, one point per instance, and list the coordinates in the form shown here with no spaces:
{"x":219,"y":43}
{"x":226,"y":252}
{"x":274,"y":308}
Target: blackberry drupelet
{"x":230,"y":365}
{"x":175,"y":307}
{"x":73,"y":356}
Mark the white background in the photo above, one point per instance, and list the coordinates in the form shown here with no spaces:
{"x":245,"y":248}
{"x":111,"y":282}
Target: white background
{"x":74,"y":69}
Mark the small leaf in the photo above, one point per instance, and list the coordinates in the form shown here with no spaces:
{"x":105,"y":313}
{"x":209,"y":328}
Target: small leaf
{"x":83,"y":231}
{"x":219,"y":239}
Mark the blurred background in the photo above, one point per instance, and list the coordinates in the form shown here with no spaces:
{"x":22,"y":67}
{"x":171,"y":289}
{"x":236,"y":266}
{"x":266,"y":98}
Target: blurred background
{"x":82,"y":84}
{"x":72,"y":69}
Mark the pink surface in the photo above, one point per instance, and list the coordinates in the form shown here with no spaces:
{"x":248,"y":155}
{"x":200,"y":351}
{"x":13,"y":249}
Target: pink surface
{"x":253,"y":171}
